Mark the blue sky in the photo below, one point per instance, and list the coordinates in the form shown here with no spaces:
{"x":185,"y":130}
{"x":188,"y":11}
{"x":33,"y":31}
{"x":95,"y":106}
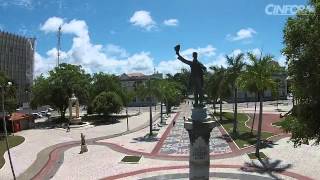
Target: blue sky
{"x":139,"y":35}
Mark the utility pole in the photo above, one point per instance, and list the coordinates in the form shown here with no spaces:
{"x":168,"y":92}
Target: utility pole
{"x":58,"y":45}
{"x":6,"y":132}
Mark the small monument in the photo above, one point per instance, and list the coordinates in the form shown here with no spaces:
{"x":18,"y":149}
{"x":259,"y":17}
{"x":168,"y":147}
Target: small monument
{"x":199,"y":127}
{"x":74,"y":110}
{"x":84,"y":147}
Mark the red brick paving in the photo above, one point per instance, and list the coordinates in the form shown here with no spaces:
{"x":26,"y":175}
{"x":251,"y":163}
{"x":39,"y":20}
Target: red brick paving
{"x":267,"y":120}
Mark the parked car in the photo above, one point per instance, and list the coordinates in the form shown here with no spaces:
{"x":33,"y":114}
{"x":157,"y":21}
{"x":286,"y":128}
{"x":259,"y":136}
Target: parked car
{"x":36,"y":115}
{"x":45,"y":113}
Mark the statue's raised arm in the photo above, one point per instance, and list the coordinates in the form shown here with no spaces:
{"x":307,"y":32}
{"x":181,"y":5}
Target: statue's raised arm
{"x":177,"y":48}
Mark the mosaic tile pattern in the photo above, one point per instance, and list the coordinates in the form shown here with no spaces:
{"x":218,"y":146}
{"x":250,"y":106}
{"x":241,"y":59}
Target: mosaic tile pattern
{"x":177,"y":142}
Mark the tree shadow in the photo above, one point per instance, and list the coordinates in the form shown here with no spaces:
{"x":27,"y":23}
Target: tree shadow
{"x":146,"y":138}
{"x":98,"y":120}
{"x":265,"y":166}
{"x":249,"y":138}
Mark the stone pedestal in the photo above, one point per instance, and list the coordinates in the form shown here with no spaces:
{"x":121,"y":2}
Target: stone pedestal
{"x":75,"y":120}
{"x":199,"y":128}
{"x":83,"y":149}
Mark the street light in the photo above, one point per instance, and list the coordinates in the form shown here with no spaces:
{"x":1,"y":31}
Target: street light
{"x":127,"y":118}
{"x":5,"y":128}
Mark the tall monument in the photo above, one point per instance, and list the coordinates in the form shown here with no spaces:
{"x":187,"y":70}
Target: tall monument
{"x":199,"y":126}
{"x":74,"y":110}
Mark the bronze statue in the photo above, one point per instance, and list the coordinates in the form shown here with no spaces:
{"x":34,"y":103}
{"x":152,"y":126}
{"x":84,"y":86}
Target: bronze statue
{"x":196,"y":77}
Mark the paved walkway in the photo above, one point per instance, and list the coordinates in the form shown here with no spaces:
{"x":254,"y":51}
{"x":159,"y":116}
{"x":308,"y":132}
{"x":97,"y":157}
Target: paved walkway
{"x":39,"y":142}
{"x":63,"y":161}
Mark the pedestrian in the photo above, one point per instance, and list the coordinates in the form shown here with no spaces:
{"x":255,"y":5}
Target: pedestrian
{"x":174,"y":122}
{"x":184,"y":118}
{"x":68,"y":127}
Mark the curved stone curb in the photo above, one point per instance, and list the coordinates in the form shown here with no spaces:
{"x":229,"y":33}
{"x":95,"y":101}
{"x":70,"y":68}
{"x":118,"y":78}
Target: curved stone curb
{"x":45,"y":156}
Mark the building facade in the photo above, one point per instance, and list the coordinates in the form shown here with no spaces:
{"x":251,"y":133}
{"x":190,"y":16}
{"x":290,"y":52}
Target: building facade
{"x":131,"y":81}
{"x":17,"y":62}
{"x":280,"y":92}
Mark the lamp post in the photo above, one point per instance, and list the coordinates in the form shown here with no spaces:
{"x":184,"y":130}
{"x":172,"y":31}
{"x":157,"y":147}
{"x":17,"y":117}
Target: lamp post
{"x":127,"y":119}
{"x":5,"y":129}
{"x":150,"y":108}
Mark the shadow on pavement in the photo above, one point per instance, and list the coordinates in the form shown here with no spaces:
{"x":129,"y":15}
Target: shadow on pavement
{"x":265,"y":166}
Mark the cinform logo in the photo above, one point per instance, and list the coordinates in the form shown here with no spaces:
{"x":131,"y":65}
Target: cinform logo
{"x":285,"y":10}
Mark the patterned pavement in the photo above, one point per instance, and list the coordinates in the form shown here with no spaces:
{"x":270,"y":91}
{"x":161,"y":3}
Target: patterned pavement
{"x":177,"y":142}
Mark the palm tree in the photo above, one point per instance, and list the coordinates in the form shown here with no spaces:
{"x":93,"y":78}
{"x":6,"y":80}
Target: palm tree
{"x":161,"y":94}
{"x":249,"y":84}
{"x":235,"y":67}
{"x":220,"y":83}
{"x":144,"y":91}
{"x":259,"y":73}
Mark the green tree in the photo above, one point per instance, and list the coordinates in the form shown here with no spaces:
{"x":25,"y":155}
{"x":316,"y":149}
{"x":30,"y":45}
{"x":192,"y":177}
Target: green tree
{"x":107,"y":102}
{"x":248,"y":84}
{"x":10,"y":100}
{"x":146,"y":90}
{"x":258,"y":75}
{"x":302,"y":49}
{"x":235,"y":67}
{"x":220,"y":85}
{"x":102,"y":82}
{"x":56,"y":89}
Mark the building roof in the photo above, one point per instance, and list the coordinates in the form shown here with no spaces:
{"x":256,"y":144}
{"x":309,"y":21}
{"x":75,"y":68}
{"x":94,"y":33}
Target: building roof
{"x":135,"y":74}
{"x":17,"y":116}
{"x":132,"y":76}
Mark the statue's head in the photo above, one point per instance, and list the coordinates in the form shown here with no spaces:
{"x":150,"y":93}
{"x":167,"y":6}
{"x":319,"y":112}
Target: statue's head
{"x":195,"y":55}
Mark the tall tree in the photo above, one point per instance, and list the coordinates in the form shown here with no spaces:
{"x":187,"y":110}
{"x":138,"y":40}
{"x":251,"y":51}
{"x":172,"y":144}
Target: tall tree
{"x":57,"y":88}
{"x":302,"y":49}
{"x":259,"y":75}
{"x":10,"y":100}
{"x":220,"y":83}
{"x":235,"y":67}
{"x":248,"y":84}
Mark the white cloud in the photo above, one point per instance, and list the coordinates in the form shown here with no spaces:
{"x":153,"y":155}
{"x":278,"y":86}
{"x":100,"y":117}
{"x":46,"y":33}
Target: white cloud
{"x":282,"y":60}
{"x":171,"y":66}
{"x":242,"y":34}
{"x":143,"y":19}
{"x":220,"y":60}
{"x":256,"y":51}
{"x":51,"y":25}
{"x":207,"y":51}
{"x":107,"y":58}
{"x":115,"y":51}
{"x":236,"y":52}
{"x":171,"y":22}
{"x":93,"y":57}
{"x":28,"y":4}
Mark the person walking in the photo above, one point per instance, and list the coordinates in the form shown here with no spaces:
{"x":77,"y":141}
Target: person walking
{"x":68,"y":127}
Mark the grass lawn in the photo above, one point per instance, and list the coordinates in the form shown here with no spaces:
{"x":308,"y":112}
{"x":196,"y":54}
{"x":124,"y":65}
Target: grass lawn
{"x":277,"y":123}
{"x":13,"y":141}
{"x":253,"y":155}
{"x":244,"y":136}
